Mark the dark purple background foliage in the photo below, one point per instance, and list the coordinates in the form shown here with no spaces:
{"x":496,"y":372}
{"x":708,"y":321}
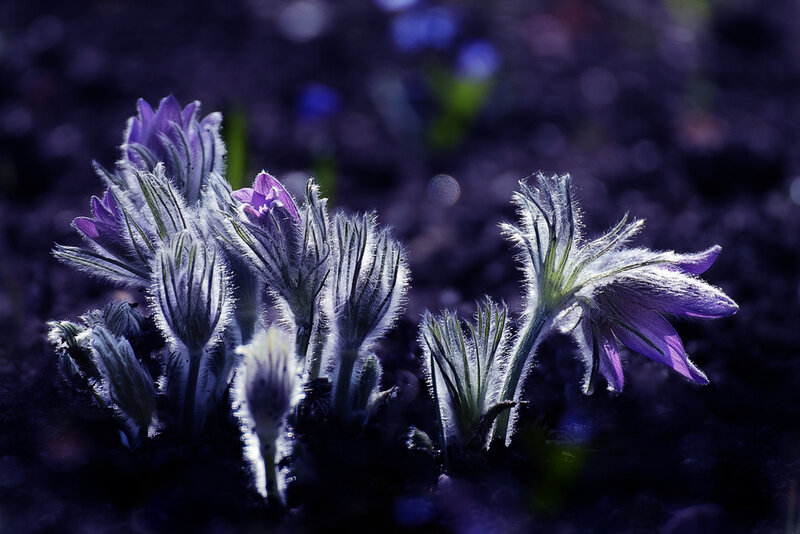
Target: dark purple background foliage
{"x":683,"y":112}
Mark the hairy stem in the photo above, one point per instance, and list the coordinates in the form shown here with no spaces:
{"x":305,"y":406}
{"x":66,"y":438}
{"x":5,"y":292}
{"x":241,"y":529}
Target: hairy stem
{"x":189,"y":410}
{"x":347,"y":361}
{"x":271,"y":471}
{"x":314,"y":355}
{"x":302,"y":338}
{"x":529,"y":340}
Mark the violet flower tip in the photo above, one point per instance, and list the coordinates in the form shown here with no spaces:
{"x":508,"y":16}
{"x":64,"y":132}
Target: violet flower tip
{"x":85,"y":226}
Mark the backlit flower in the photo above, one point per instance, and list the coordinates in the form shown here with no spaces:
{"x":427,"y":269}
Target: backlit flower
{"x":266,"y":195}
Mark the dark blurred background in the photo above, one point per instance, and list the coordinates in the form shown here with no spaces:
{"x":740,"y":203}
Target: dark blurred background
{"x":682,"y":112}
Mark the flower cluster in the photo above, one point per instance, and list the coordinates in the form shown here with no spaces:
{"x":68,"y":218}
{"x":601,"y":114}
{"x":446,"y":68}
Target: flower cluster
{"x":213,"y":261}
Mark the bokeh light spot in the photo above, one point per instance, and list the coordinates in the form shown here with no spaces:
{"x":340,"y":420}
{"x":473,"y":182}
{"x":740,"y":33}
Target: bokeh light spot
{"x":395,"y":5}
{"x":645,"y":156}
{"x":444,"y":190}
{"x":478,"y":60}
{"x":303,"y":20}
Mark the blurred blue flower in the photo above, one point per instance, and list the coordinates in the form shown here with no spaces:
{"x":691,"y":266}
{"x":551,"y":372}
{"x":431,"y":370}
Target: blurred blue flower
{"x":395,"y":5}
{"x":478,"y":60}
{"x":430,"y":28}
{"x":318,"y":101}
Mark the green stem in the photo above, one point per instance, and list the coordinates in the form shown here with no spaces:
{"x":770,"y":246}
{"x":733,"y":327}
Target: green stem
{"x":529,"y":340}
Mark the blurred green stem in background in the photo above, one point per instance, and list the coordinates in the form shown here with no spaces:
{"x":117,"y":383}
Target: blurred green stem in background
{"x":459,"y":99}
{"x":235,"y":133}
{"x":323,"y":169}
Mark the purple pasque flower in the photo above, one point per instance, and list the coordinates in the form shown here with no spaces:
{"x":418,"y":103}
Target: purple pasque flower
{"x":264,"y":197}
{"x":113,"y":250}
{"x":619,"y":294}
{"x":106,"y":223}
{"x":190,"y":148}
{"x":633,"y":310}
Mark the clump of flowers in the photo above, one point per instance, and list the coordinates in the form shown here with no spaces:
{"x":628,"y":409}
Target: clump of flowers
{"x":211,"y":261}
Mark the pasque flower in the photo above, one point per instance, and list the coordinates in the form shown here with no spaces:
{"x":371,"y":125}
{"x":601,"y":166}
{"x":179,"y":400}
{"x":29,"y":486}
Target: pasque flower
{"x":464,"y":364}
{"x":266,"y":195}
{"x":287,"y":248}
{"x":618,"y":294}
{"x":190,"y":148}
{"x":266,"y":388}
{"x":632,"y":307}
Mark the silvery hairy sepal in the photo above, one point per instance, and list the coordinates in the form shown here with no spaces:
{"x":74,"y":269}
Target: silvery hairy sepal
{"x":217,"y":207}
{"x":127,"y":229}
{"x":287,"y":248}
{"x":72,"y":341}
{"x":266,"y":388}
{"x":192,"y":302}
{"x":368,"y":286}
{"x":124,"y":383}
{"x":190,"y":148}
{"x":464,"y":365}
{"x":617,"y":293}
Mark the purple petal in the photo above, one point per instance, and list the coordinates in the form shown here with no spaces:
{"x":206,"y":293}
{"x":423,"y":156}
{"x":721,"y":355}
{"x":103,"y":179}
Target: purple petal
{"x":189,"y":112}
{"x":610,"y":362}
{"x":212,"y":121}
{"x":272,"y":189}
{"x":111,"y":205}
{"x":699,"y":262}
{"x":243,"y":195}
{"x":139,"y":124}
{"x":146,"y":112}
{"x":168,"y":111}
{"x":264,"y":182}
{"x":101,"y":213}
{"x":649,"y":334}
{"x":673,"y":293}
{"x":259,"y":201}
{"x":86,"y":226}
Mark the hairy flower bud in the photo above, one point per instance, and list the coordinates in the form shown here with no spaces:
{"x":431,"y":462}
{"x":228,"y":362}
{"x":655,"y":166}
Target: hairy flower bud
{"x":125,"y":384}
{"x":465,"y":370}
{"x":191,"y":292}
{"x":265,"y":390}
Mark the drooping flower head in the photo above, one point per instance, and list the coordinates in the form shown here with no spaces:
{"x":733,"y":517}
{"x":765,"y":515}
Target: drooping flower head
{"x":633,"y":308}
{"x":127,"y":229}
{"x":621,"y":294}
{"x":266,"y":195}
